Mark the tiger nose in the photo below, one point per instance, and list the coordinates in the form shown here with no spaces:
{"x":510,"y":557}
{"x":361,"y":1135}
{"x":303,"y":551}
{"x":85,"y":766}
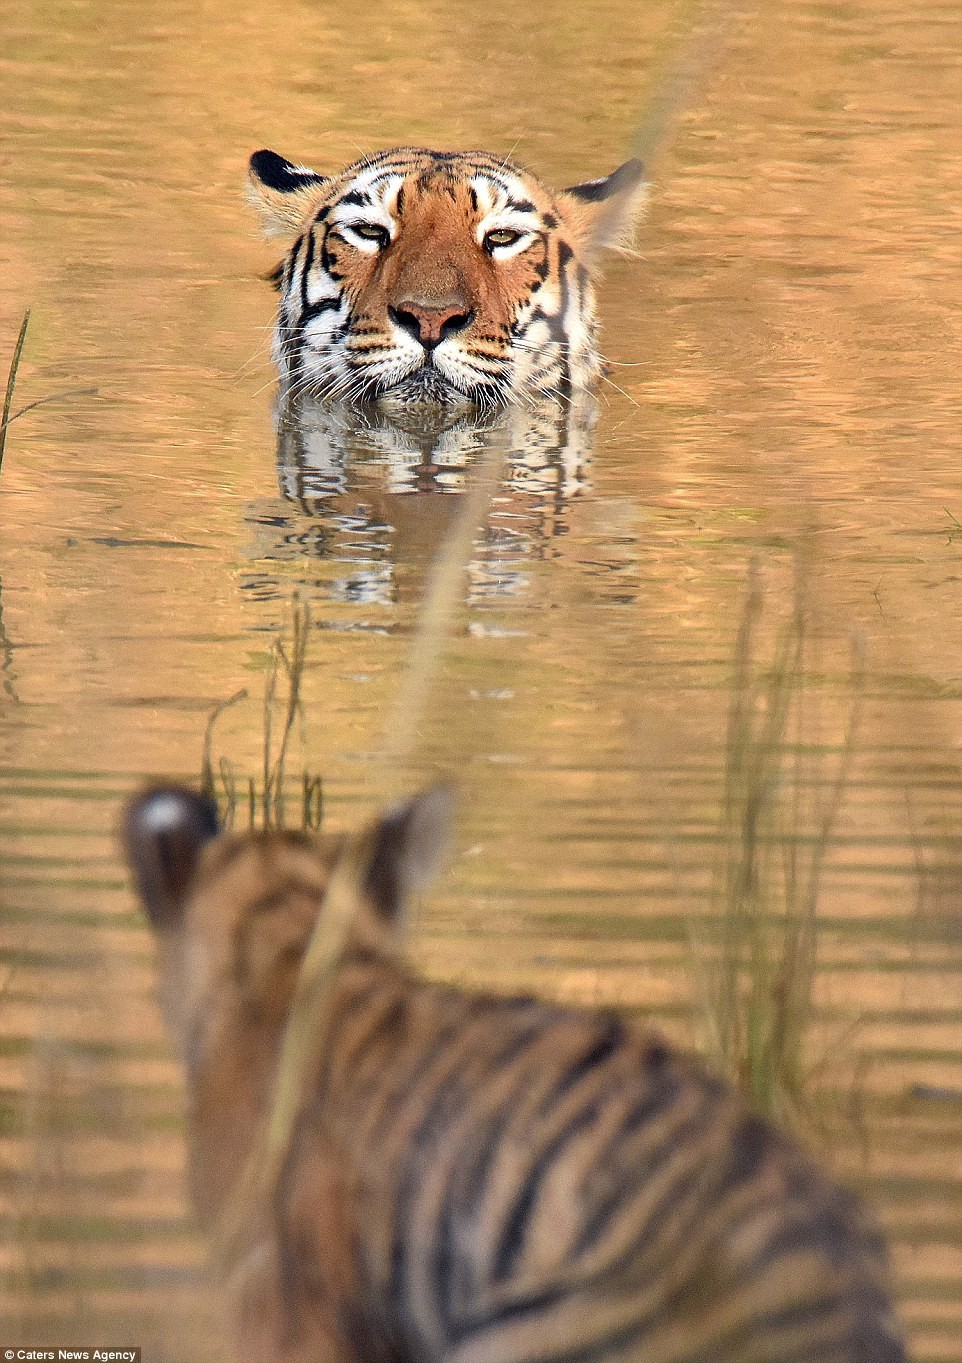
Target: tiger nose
{"x":429,"y":325}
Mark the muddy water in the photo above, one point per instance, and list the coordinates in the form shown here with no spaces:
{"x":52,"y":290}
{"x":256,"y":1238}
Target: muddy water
{"x":784,"y":390}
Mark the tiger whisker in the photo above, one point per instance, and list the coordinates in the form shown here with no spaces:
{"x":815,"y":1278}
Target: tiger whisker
{"x":611,"y":384}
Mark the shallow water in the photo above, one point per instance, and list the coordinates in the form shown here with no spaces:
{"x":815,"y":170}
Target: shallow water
{"x":785,"y":389}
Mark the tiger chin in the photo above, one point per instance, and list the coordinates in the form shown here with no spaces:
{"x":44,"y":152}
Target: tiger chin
{"x":423,"y":279}
{"x":472,"y":1178}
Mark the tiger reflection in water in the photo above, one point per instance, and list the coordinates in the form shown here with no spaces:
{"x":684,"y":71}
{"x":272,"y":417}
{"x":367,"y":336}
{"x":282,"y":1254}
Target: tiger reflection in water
{"x":347,"y":475}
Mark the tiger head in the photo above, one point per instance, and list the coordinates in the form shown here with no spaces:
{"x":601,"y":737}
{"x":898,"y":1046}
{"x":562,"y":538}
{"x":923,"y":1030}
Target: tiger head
{"x":233,"y":913}
{"x":456,"y":279}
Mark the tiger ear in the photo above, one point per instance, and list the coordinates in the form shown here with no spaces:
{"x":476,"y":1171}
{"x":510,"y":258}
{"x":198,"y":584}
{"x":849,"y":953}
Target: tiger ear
{"x":164,"y":831}
{"x":606,"y":210}
{"x":281,"y":191}
{"x":408,"y":846}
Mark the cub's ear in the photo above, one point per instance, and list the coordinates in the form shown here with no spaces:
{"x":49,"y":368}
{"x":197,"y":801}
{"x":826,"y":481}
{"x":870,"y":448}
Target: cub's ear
{"x":606,"y":210}
{"x":408,"y":846}
{"x":281,"y":191}
{"x":164,"y":831}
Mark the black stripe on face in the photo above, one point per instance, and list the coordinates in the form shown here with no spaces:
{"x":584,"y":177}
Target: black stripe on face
{"x":520,"y":205}
{"x":565,"y":256}
{"x":329,"y":260}
{"x":357,"y":198}
{"x":290,"y":264}
{"x":322,"y":305}
{"x":308,"y":262}
{"x":554,"y":322}
{"x":286,"y":325}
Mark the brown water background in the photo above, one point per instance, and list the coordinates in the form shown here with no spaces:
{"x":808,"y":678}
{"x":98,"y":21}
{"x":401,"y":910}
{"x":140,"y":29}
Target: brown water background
{"x":786,"y":355}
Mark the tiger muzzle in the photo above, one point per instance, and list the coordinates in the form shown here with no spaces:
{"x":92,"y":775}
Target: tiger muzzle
{"x":430,"y":325}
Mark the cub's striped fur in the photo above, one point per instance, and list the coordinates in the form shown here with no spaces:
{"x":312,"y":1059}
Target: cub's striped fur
{"x":477,"y":1179}
{"x":422,"y":277}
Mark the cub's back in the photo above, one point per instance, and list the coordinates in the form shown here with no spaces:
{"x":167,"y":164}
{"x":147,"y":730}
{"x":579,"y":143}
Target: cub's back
{"x":533,"y":1182}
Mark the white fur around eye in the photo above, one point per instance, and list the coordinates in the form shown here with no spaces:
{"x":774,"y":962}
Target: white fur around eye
{"x":370,"y":245}
{"x":505,"y":205}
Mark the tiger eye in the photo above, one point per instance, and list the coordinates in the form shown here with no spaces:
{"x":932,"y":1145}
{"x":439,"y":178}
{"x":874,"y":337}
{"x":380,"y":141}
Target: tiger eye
{"x":501,"y":236}
{"x":371,"y":231}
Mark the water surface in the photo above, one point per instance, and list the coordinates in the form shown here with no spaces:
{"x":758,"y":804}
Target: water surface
{"x":785,"y":387}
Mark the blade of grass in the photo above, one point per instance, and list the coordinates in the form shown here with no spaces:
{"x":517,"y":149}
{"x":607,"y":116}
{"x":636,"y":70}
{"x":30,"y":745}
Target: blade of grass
{"x":51,"y":397}
{"x":293,"y":666}
{"x":208,"y":781}
{"x":684,"y":67}
{"x":11,"y":382}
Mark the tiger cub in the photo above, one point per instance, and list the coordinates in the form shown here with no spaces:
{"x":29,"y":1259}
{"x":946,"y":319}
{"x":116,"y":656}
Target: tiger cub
{"x":421,"y":277}
{"x":476,"y":1179}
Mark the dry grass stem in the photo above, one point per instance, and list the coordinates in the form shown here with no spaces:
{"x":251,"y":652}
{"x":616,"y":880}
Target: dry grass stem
{"x":11,"y":382}
{"x":441,"y":599}
{"x":301,"y":1048}
{"x":8,"y":418}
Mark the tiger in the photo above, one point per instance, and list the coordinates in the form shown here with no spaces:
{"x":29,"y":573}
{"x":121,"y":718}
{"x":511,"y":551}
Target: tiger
{"x":474,"y":1178}
{"x":421,"y":278}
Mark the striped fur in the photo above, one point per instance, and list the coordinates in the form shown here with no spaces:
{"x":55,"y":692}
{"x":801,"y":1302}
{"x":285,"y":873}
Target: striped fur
{"x":477,"y":1179}
{"x":420,"y":277}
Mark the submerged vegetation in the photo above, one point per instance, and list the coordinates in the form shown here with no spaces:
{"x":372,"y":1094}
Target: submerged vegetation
{"x":755,"y":959}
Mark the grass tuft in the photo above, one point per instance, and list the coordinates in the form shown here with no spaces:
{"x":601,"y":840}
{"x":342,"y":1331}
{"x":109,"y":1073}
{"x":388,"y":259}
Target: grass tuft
{"x":267,"y":801}
{"x":756,"y":960}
